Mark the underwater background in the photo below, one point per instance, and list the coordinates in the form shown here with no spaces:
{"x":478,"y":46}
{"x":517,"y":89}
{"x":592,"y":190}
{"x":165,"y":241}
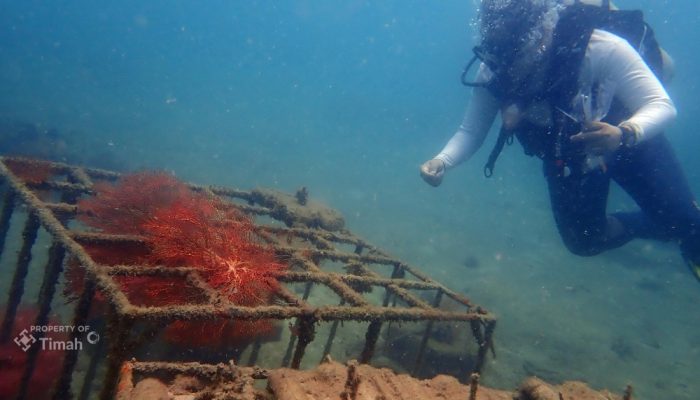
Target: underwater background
{"x":348,"y":98}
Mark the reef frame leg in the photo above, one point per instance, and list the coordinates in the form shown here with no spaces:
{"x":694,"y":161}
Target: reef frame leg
{"x":371,"y":338}
{"x":24,"y":258}
{"x":331,"y":335}
{"x":485,"y":342}
{"x":8,"y":207}
{"x":307,"y":332}
{"x":290,"y":348}
{"x":293,"y":338}
{"x":91,"y":373}
{"x":352,"y":382}
{"x":63,"y":387}
{"x":628,"y":393}
{"x":255,"y":352}
{"x":474,"y":385}
{"x":54,"y":267}
{"x":398,"y":273}
{"x":426,"y":336}
{"x":119,"y":329}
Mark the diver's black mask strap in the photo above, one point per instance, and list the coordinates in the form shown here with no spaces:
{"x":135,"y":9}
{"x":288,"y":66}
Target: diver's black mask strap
{"x":481,"y":55}
{"x":469,"y":66}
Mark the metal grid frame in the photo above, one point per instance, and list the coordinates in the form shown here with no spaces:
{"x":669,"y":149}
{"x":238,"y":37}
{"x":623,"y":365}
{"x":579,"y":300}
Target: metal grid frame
{"x":321,"y":245}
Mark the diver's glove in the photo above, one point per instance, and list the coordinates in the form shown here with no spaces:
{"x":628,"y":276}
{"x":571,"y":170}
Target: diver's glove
{"x":432,"y":171}
{"x":599,"y":138}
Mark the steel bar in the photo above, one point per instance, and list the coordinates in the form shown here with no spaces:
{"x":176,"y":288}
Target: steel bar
{"x":53,"y":269}
{"x":24,"y":258}
{"x":63,"y":387}
{"x":426,"y":336}
{"x":8,"y":207}
{"x":371,"y":338}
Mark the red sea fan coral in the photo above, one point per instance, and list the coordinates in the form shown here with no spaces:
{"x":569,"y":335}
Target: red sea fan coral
{"x":124,"y":207}
{"x":196,"y":231}
{"x":181,"y":228}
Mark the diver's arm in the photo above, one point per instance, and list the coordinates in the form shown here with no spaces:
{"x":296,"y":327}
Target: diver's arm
{"x":478,"y":118}
{"x":639,"y":90}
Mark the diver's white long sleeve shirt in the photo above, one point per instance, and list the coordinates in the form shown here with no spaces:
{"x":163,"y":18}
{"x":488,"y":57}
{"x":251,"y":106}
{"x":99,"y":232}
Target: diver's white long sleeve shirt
{"x":611,"y":67}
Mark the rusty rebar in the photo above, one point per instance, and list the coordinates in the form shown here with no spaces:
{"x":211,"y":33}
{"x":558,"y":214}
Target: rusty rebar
{"x":352,"y":382}
{"x":91,"y":373}
{"x":62,"y":390}
{"x":255,"y":352}
{"x":485,"y":345}
{"x":206,"y":371}
{"x":54,"y":266}
{"x":371,"y":337}
{"x":62,"y":209}
{"x":78,"y":175}
{"x":290,"y":346}
{"x":628,"y":393}
{"x":426,"y":336}
{"x":306,"y":331}
{"x":63,"y":168}
{"x":117,"y":331}
{"x":74,"y":189}
{"x":24,"y":258}
{"x":8,"y":207}
{"x":474,"y":385}
{"x":398,"y":274}
{"x":331,"y":335}
{"x":199,"y":312}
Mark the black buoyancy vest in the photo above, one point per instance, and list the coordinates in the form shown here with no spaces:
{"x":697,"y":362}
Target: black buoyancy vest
{"x":571,"y":36}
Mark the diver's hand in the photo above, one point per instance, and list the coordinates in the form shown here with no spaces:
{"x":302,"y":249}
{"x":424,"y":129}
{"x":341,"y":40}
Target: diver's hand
{"x":432,"y":171}
{"x":599,"y":138}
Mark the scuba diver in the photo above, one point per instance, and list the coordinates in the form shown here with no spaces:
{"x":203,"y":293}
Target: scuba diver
{"x":579,"y":84}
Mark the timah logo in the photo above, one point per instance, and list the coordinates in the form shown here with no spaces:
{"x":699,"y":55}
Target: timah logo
{"x":25,"y":340}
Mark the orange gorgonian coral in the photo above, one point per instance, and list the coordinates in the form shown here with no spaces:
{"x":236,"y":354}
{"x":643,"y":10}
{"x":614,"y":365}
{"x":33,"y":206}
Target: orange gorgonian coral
{"x":182,"y":227}
{"x":125,"y":206}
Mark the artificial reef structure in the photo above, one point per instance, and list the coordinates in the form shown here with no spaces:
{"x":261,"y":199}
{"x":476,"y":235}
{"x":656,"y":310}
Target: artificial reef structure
{"x":144,"y":266}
